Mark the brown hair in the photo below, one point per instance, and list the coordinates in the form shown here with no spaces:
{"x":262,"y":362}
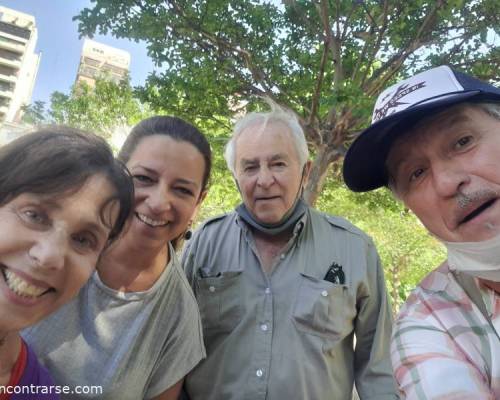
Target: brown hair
{"x":175,"y":128}
{"x":59,"y":159}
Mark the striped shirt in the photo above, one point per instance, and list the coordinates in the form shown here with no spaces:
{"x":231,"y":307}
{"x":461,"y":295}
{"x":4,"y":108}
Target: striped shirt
{"x":443,"y":346}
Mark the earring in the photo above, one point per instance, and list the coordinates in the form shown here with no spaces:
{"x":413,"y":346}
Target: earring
{"x":188,"y":234}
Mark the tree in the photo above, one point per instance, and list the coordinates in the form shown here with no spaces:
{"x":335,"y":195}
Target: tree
{"x":34,"y":114}
{"x":102,"y":109}
{"x":326,"y":60}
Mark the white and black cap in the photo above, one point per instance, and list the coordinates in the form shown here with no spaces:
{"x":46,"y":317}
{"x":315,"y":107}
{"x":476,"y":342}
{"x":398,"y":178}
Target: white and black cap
{"x":397,"y":109}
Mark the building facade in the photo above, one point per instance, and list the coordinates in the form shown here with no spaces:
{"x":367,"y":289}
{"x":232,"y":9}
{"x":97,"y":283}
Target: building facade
{"x":18,"y":62}
{"x":101,"y":61}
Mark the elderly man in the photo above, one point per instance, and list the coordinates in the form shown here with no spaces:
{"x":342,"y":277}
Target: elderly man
{"x":435,"y":141}
{"x":282,"y":288}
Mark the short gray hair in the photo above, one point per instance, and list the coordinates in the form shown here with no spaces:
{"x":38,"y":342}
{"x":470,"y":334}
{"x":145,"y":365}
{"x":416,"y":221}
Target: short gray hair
{"x":277,"y":114}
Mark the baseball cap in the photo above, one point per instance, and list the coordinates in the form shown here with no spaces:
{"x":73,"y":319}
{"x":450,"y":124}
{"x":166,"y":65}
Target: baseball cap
{"x":397,"y":109}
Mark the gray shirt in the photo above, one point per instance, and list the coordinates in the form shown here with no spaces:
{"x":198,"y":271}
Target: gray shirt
{"x":133,"y":345}
{"x":289,"y":334}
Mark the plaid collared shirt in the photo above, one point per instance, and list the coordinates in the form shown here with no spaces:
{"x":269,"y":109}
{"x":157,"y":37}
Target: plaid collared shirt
{"x":443,"y":347}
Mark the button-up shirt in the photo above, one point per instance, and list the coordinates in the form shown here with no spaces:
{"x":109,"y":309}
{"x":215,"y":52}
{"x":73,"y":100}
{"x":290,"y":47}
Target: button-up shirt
{"x":444,"y":346}
{"x":289,"y":334}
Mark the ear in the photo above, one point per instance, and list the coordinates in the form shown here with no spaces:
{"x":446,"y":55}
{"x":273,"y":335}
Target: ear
{"x":307,"y":171}
{"x":202,"y":197}
{"x":236,"y":183}
{"x":198,"y":204}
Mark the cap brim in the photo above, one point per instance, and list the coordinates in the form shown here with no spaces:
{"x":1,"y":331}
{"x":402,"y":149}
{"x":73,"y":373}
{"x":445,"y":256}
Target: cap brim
{"x":364,"y":163}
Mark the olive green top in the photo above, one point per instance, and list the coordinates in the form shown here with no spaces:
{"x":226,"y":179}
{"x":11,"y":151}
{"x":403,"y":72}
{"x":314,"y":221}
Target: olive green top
{"x":289,"y":334}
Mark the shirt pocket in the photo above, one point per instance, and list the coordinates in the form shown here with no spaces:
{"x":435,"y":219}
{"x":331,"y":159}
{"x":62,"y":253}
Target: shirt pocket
{"x":219,"y":300}
{"x":320,"y":308}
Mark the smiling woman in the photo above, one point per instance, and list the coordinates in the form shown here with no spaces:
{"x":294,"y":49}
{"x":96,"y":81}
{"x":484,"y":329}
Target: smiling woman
{"x":135,"y":326}
{"x":63,"y":199}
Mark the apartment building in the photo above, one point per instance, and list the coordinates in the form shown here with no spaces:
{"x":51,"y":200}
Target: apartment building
{"x":18,"y":62}
{"x":100,"y":60}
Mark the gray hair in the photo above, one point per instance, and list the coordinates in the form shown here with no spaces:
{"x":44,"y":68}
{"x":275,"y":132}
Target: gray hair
{"x":277,"y":114}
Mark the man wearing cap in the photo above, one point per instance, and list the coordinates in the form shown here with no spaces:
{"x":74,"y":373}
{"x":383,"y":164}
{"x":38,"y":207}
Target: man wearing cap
{"x":282,"y":288}
{"x":435,"y":142}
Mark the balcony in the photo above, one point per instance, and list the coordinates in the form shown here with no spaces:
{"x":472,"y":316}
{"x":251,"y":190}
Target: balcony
{"x":14,"y":64}
{"x":19,"y":32}
{"x":6,"y":93}
{"x":6,"y":77}
{"x":12,"y":45}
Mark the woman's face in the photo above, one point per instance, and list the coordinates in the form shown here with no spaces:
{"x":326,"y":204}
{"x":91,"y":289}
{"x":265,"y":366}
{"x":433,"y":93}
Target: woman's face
{"x":49,"y":246}
{"x":168,"y":176}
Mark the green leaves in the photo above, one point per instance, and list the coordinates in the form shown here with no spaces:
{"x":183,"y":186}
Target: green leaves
{"x":99,"y":109}
{"x":326,"y":60}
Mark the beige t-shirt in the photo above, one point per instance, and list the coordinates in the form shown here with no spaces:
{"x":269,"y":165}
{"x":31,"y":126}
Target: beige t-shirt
{"x":133,"y":345}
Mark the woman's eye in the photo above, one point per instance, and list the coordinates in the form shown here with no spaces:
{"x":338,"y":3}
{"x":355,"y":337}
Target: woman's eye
{"x":35,"y":216}
{"x":185,"y":191}
{"x":84,"y":241}
{"x":143,"y":178}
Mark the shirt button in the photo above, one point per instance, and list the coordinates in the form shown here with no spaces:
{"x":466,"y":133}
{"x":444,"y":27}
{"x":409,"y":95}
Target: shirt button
{"x":268,"y":290}
{"x":211,"y":289}
{"x":259,"y":373}
{"x":282,"y":256}
{"x":263,"y":327}
{"x":324,"y":293}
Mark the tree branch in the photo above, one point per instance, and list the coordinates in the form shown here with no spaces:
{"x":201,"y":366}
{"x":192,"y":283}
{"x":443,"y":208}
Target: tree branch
{"x":376,"y":47}
{"x":387,"y":71}
{"x":333,"y":43}
{"x":343,"y":36}
{"x":319,"y":82}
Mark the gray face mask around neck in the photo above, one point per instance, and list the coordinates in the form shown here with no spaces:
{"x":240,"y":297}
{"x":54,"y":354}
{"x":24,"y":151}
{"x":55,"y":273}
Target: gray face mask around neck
{"x":288,"y":220}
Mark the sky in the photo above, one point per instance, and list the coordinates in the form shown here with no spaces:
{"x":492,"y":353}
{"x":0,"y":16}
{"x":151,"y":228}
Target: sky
{"x":60,"y":45}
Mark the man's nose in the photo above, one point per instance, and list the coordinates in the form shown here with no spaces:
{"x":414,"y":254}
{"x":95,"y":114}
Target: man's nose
{"x":449,"y":178}
{"x":265,"y":177}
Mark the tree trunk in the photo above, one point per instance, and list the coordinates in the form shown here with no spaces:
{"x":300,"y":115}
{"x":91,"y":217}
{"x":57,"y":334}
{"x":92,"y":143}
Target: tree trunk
{"x":317,"y":176}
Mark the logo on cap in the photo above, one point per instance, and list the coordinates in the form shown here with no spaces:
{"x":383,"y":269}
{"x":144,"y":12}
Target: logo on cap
{"x":394,"y":102}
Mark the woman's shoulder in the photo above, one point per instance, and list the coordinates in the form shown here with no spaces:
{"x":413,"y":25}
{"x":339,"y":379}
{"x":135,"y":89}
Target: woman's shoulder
{"x":179,"y":283}
{"x":37,"y":377}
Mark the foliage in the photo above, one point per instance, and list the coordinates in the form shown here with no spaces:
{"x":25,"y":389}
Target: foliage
{"x":34,"y":114}
{"x":324,"y":59}
{"x":109,"y":109}
{"x":223,"y":195}
{"x":100,"y":109}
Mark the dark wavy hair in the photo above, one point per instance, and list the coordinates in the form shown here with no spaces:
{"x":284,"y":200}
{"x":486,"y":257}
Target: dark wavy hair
{"x":57,"y":160}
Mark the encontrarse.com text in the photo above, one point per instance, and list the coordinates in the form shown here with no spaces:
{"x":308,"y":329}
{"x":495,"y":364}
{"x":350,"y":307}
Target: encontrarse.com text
{"x":52,"y":389}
